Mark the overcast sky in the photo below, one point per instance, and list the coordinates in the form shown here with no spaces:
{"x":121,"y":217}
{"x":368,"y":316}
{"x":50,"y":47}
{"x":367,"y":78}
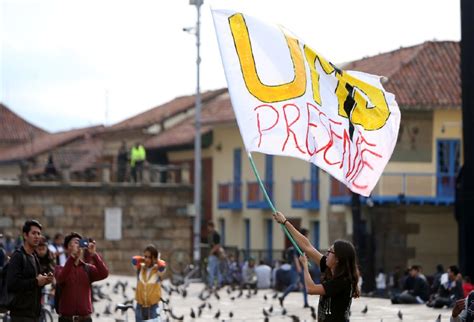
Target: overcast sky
{"x":67,"y":64}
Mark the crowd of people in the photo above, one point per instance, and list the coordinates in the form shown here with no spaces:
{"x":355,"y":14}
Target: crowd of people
{"x":68,"y":265}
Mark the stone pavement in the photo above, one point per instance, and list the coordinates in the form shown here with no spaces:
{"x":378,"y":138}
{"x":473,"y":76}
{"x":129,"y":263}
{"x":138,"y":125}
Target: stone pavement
{"x":250,"y":309}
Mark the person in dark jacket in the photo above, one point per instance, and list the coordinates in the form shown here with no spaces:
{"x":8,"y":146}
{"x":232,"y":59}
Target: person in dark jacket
{"x":24,"y":279}
{"x":416,"y":289}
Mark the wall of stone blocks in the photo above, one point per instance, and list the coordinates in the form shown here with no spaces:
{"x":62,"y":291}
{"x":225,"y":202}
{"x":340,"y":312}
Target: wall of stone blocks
{"x":149,"y":215}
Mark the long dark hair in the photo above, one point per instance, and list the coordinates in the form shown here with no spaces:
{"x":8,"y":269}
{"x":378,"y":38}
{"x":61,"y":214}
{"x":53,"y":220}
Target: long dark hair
{"x":346,"y":266}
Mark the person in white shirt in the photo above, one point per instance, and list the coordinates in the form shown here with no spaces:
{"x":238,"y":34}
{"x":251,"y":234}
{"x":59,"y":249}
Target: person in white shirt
{"x":264,"y":274}
{"x":56,"y":248}
{"x":381,"y":283}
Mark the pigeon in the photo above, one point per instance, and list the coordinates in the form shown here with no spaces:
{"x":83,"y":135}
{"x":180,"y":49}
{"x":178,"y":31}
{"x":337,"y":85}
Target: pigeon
{"x":400,"y":315}
{"x":165,"y":301}
{"x":294,"y":318}
{"x":193,"y":315}
{"x":265,"y":313}
{"x":365,"y":309}
{"x":266,"y":319}
{"x":199,"y":312}
{"x":283,"y":312}
{"x":438,"y":319}
{"x":209,"y":306}
{"x":255,"y":291}
{"x":232,"y":298}
{"x":108,"y":309}
{"x":202,"y":306}
{"x":184,"y":293}
{"x":218,"y":313}
{"x":231,"y":315}
{"x":217,"y":295}
{"x":179,"y":318}
{"x":281,"y":299}
{"x":270,"y":309}
{"x":229,"y":290}
{"x":240,"y":293}
{"x":265,"y":297}
{"x":313,"y":315}
{"x":275,"y":295}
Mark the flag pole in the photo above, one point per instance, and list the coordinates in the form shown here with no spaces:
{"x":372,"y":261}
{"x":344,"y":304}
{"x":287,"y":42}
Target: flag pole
{"x":285,"y":230}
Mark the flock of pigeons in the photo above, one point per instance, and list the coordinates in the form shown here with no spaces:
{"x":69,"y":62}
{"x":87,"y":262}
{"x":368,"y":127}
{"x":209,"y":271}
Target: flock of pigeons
{"x":205,"y":310}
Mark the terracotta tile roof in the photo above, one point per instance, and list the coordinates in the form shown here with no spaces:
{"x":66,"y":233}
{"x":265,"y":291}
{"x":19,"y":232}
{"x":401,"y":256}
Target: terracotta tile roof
{"x":14,"y":129}
{"x":45,"y":143}
{"x":426,"y":76}
{"x":78,"y":157}
{"x":215,"y":110}
{"x":162,"y":112}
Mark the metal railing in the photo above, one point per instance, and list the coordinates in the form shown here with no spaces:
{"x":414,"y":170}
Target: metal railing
{"x":230,"y":195}
{"x":255,"y":196}
{"x":403,"y":187}
{"x":305,"y":194}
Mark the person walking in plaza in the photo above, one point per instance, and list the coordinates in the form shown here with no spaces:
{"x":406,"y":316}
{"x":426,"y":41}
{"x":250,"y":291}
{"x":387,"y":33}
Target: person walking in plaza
{"x":215,"y":251}
{"x":57,"y":249}
{"x":24,"y":278}
{"x":75,"y":278}
{"x":148,"y":292}
{"x":296,"y":276}
{"x":340,"y":274}
{"x":137,"y":160}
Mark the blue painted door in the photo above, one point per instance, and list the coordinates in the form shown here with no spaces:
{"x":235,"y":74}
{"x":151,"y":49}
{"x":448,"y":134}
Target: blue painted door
{"x":448,"y":163}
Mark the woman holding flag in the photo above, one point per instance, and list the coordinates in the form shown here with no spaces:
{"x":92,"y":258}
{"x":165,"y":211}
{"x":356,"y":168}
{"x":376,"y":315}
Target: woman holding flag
{"x":340,"y":274}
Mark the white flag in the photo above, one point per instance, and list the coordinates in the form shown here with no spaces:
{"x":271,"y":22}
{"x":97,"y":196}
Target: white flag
{"x":289,"y":100}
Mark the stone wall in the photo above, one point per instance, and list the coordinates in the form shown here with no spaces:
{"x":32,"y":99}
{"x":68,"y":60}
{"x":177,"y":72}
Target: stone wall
{"x":150,"y":214}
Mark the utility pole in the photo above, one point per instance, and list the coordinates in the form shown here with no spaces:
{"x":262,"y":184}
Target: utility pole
{"x":197,"y":143}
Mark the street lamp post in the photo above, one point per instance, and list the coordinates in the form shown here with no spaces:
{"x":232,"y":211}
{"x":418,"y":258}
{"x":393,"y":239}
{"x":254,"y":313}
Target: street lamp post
{"x":197,"y":143}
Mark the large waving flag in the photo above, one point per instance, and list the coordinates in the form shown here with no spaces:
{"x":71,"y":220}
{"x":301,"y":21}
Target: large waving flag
{"x":289,"y":100}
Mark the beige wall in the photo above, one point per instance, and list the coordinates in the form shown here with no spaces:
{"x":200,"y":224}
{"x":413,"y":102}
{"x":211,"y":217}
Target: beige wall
{"x":10,"y":172}
{"x":284,"y":170}
{"x":436,"y":241}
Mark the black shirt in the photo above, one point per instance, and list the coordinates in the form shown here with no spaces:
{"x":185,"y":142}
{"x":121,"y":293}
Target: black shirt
{"x":336,"y":304}
{"x":213,"y":239}
{"x":21,"y":281}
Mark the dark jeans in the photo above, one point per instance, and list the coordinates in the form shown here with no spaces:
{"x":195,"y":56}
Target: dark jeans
{"x":137,"y":171}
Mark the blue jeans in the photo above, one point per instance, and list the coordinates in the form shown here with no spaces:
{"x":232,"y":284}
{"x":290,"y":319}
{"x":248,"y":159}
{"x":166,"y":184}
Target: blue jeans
{"x":145,"y":313}
{"x":214,"y":271}
{"x":305,"y":293}
{"x":294,"y":283}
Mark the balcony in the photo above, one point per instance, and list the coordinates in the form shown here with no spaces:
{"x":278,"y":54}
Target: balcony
{"x":255,"y":197}
{"x":230,"y":195}
{"x":305,"y":194}
{"x":404,"y":188}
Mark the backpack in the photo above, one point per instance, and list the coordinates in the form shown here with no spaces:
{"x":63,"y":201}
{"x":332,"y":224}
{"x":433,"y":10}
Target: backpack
{"x":57,"y":290}
{"x":7,"y":298}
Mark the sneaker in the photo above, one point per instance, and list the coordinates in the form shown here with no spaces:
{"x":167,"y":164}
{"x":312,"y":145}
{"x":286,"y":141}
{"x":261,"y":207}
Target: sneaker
{"x":306,"y":306}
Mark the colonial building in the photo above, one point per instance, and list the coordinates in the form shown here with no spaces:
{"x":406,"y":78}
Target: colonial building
{"x":409,"y":217}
